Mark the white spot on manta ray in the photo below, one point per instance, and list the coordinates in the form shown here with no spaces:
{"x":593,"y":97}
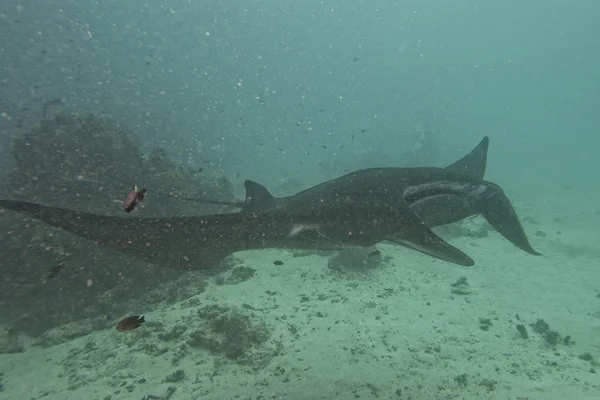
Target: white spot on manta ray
{"x":297,"y":228}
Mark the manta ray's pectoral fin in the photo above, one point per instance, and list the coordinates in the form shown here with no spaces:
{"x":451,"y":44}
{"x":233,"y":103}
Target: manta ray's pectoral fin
{"x":432,"y":245}
{"x":415,"y":235}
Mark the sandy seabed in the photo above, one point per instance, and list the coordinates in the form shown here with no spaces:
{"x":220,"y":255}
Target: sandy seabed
{"x":409,"y":328}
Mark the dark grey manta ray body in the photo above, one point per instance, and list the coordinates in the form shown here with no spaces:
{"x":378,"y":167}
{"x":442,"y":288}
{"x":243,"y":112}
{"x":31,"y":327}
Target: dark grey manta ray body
{"x":199,"y":242}
{"x":358,"y":209}
{"x":439,"y":196}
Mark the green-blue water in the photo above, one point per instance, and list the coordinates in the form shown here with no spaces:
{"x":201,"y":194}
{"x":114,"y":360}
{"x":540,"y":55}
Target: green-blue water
{"x":291,"y":94}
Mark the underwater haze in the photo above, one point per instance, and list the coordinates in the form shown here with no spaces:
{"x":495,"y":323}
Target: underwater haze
{"x":191,"y":99}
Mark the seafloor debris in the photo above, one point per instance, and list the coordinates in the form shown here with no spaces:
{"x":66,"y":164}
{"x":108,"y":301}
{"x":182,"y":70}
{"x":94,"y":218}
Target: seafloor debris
{"x":523,"y":331}
{"x":166,"y":396}
{"x":461,"y":287}
{"x":356,"y":259}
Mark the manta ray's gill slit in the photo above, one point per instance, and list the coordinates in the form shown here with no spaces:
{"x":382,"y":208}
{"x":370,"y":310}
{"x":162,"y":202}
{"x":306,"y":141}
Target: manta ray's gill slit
{"x":417,"y":193}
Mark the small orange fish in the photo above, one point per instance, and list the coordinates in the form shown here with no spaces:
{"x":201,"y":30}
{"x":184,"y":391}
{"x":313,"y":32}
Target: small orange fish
{"x":130,"y":323}
{"x":133,"y":197}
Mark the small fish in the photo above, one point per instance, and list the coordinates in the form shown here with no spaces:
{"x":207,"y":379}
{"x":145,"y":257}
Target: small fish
{"x":133,"y":197}
{"x":55,"y":270}
{"x":374,"y":253}
{"x":130,"y":323}
{"x":277,"y":262}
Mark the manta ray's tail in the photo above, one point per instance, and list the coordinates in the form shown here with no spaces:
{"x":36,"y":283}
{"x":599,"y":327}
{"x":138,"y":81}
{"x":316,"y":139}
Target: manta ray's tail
{"x":497,"y":209}
{"x":197,"y":242}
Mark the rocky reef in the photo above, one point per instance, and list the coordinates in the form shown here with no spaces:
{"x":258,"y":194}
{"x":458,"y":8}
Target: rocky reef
{"x":87,"y":162}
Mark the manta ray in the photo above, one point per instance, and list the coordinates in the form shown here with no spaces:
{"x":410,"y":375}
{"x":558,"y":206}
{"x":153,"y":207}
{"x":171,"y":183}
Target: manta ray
{"x":438,"y":196}
{"x":361,"y":208}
